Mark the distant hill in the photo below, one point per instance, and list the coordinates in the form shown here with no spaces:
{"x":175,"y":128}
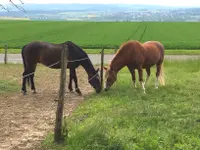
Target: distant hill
{"x":103,"y":12}
{"x":90,"y":7}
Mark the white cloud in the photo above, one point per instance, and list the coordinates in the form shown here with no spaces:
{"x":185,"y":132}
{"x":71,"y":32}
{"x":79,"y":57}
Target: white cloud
{"x":151,"y":2}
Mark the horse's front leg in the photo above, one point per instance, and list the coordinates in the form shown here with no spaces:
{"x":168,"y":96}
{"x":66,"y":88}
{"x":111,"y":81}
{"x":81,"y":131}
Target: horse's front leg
{"x":132,"y":71}
{"x":76,"y":82}
{"x":24,"y":91}
{"x":140,"y":72}
{"x":157,"y":75}
{"x":33,"y":84}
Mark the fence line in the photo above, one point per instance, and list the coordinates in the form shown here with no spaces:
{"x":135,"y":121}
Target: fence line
{"x":60,"y":107}
{"x":47,"y":66}
{"x":84,"y":47}
{"x":59,"y":112}
{"x":6,"y":56}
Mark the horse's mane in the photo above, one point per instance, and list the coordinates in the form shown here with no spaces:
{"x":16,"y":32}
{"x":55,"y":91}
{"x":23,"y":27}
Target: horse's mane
{"x":83,"y":55}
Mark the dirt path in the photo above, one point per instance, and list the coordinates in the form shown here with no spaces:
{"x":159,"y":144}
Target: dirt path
{"x":96,"y":58}
{"x":26,"y":120}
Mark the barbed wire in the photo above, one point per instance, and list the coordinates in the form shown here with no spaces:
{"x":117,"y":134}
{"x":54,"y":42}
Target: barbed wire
{"x":2,"y":7}
{"x":51,"y":65}
{"x":15,"y":5}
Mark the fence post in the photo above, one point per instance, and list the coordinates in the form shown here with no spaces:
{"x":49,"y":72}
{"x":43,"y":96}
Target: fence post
{"x":102,"y":63}
{"x":6,"y":57}
{"x":58,"y":126}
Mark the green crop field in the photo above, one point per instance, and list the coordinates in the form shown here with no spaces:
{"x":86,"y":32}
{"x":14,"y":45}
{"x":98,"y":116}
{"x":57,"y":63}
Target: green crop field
{"x":173,"y":35}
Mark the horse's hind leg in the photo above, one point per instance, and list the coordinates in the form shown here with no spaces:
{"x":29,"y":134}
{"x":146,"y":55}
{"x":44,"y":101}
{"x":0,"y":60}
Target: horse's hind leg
{"x":24,"y":78}
{"x":33,"y":84}
{"x":148,"y":74}
{"x":132,"y":71}
{"x":32,"y":78}
{"x":158,"y":66}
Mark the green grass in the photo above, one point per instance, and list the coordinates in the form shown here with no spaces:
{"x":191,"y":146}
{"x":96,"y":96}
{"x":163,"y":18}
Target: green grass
{"x":174,"y":35}
{"x":112,"y":51}
{"x":10,"y":51}
{"x":9,"y":78}
{"x":8,"y":86}
{"x":182,"y":52}
{"x":124,"y":118}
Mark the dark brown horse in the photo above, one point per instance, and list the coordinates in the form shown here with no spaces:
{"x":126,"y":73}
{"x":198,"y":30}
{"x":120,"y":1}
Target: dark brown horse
{"x":135,"y":55}
{"x":49,"y":55}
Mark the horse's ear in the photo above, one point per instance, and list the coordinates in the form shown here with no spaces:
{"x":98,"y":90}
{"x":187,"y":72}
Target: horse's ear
{"x":97,"y":70}
{"x":105,"y":68}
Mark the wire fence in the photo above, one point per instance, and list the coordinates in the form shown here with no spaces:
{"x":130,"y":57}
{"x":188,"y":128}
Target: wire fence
{"x":37,"y":121}
{"x":14,"y":4}
{"x":49,"y":66}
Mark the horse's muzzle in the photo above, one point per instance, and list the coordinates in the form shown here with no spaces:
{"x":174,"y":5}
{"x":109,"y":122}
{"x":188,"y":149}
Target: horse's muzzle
{"x":106,"y":89}
{"x":98,"y":90}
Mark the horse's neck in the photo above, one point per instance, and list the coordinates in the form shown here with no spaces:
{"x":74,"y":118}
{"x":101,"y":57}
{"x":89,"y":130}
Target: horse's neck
{"x":117,"y":63}
{"x":89,"y":68}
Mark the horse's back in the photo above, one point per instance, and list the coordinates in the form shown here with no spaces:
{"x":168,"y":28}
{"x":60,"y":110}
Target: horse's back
{"x":154,"y":53}
{"x":154,"y":46}
{"x":42,"y":52}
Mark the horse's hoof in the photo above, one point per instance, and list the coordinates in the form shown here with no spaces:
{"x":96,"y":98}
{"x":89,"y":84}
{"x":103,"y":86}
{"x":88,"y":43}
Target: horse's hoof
{"x":34,"y":92}
{"x":79,"y":92}
{"x":24,"y":93}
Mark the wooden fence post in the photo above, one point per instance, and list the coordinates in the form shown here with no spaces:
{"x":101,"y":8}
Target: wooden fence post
{"x":59,"y":113}
{"x":6,"y":57}
{"x":102,"y":63}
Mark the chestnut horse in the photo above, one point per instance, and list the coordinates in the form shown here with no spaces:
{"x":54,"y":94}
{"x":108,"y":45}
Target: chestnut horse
{"x":49,"y":55}
{"x":136,"y":55}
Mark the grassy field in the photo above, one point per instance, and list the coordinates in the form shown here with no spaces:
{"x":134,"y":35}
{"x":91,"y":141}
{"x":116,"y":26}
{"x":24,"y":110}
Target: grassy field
{"x":8,"y":81}
{"x":8,"y":86}
{"x":124,"y":118}
{"x":174,"y":35}
{"x":112,"y":51}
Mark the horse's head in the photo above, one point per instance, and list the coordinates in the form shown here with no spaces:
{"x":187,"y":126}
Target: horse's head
{"x":110,"y":77}
{"x":94,"y":81}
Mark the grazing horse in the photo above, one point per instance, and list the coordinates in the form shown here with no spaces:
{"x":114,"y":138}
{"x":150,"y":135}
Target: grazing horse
{"x":49,"y":55}
{"x":136,"y":55}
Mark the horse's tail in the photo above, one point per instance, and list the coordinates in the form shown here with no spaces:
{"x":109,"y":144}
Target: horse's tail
{"x":25,"y":66}
{"x":162,"y":75}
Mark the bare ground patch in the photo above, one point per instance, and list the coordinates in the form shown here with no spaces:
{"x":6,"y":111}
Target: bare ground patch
{"x":26,"y":120}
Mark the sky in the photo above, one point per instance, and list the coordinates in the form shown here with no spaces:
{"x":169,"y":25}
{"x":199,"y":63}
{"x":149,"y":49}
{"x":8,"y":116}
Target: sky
{"x":188,"y":3}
